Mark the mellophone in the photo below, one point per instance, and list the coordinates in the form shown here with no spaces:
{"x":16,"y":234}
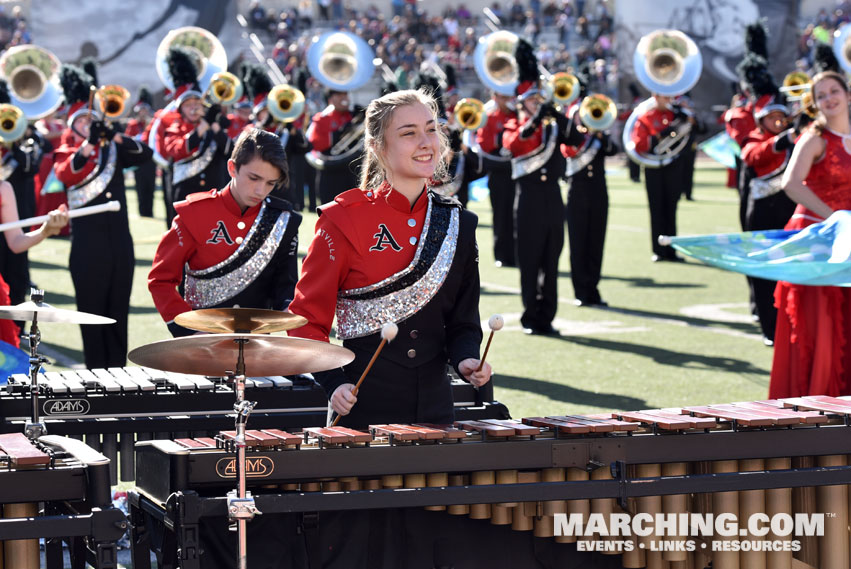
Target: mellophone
{"x":787,"y":456}
{"x":113,"y":408}
{"x":72,"y":480}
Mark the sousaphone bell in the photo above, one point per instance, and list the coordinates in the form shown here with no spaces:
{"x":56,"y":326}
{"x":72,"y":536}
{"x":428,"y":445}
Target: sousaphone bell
{"x":340,"y":60}
{"x":494,"y":62}
{"x":32,"y":73}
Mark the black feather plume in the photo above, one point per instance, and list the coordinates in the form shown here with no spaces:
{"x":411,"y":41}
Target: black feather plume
{"x":299,"y":79}
{"x":257,"y":80}
{"x":451,"y":78}
{"x":4,"y":93}
{"x":75,"y":83}
{"x":755,"y":39}
{"x":181,"y":66}
{"x":527,"y":62}
{"x":825,"y":60}
{"x":90,"y":66}
{"x":431,"y":85}
{"x":145,"y":96}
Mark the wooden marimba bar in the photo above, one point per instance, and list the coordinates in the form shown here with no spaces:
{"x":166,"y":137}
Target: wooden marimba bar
{"x":767,"y":457}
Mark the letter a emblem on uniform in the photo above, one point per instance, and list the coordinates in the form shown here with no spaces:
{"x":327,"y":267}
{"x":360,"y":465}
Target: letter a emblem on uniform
{"x":220,"y":233}
{"x":384,"y":239}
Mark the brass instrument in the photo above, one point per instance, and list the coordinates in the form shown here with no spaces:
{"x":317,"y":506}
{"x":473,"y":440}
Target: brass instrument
{"x":340,"y":60}
{"x":13,"y":124}
{"x":113,"y":100}
{"x":597,"y":112}
{"x":285,"y":103}
{"x":470,"y":113}
{"x":225,"y":88}
{"x":668,"y":63}
{"x":208,"y":52}
{"x":795,"y":85}
{"x":33,"y":76}
{"x":494,"y":61}
{"x":842,"y":47}
{"x":563,"y":88}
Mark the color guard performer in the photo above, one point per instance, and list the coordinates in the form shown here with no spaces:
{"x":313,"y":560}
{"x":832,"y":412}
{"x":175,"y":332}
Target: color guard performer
{"x":91,"y":165}
{"x":237,"y":246}
{"x":144,"y":174}
{"x":394,"y":251}
{"x":765,"y":154}
{"x":196,"y":142}
{"x":21,"y":161}
{"x":537,"y":167}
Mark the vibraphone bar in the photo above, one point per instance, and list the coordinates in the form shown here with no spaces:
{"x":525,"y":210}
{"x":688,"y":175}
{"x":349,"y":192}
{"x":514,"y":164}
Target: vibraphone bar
{"x":113,"y":408}
{"x":521,"y":473}
{"x":72,"y":481}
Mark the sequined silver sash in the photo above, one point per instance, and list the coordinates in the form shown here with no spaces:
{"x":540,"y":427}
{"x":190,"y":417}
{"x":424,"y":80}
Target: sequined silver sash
{"x":451,"y":187}
{"x":584,"y":157}
{"x":769,"y":184}
{"x":536,"y":159}
{"x":94,"y":185}
{"x":185,"y":169}
{"x":206,"y":292}
{"x":358,"y":317}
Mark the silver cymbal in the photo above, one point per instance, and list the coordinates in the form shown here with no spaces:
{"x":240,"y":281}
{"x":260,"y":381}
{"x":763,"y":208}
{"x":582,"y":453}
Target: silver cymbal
{"x":216,"y":355}
{"x":247,"y":320}
{"x":46,"y":313}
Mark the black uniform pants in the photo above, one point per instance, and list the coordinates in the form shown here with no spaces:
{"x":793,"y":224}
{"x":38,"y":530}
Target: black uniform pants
{"x":688,"y":157}
{"x":168,"y":195}
{"x":145,"y":175}
{"x":102,"y":273}
{"x":771,"y":212}
{"x":310,"y":179}
{"x":586,"y":213}
{"x":663,"y":192}
{"x":501,"y":190}
{"x":539,"y":234}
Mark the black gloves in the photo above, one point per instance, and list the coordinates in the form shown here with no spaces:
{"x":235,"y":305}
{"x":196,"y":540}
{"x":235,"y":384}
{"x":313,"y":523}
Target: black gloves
{"x":212,"y":113}
{"x":561,"y":120}
{"x":454,"y":139}
{"x":98,"y":131}
{"x":785,"y":140}
{"x":224,"y":121}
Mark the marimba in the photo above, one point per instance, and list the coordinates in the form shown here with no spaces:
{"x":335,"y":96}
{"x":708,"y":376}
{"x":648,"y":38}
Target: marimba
{"x":71,"y":480}
{"x":774,"y":457}
{"x":113,"y":408}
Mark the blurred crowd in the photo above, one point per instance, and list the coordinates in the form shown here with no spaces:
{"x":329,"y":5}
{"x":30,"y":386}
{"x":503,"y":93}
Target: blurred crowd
{"x":13,"y":27}
{"x":820,"y":30}
{"x":570,"y":34}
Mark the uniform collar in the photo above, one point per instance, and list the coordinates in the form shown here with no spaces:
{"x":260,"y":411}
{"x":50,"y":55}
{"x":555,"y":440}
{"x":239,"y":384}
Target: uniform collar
{"x":398,"y":201}
{"x":233,"y":207}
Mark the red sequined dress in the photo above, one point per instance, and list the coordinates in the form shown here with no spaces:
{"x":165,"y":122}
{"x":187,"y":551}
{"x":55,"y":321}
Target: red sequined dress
{"x":811,"y":351}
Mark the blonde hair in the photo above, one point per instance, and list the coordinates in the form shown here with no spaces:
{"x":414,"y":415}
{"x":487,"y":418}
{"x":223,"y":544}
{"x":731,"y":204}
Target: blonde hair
{"x":379,"y":113}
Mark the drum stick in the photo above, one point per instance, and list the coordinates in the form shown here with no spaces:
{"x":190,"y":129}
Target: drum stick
{"x":388,"y":333}
{"x":495,"y":323}
{"x":81,"y":212}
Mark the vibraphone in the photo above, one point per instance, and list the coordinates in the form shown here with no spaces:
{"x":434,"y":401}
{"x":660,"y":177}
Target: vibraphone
{"x":113,"y":408}
{"x":786,"y":456}
{"x":72,"y":481}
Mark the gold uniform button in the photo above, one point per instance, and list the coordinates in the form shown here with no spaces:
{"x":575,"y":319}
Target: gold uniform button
{"x":202,"y":183}
{"x":590,"y":167}
{"x":412,"y":353}
{"x":108,"y":195}
{"x":414,"y":334}
{"x":240,"y":225}
{"x":543,"y":178}
{"x":238,"y":239}
{"x":590,"y":174}
{"x":664,"y":121}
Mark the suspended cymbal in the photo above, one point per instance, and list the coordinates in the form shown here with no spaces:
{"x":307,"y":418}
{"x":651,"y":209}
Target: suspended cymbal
{"x":216,"y":355}
{"x":46,"y":313}
{"x":245,"y":320}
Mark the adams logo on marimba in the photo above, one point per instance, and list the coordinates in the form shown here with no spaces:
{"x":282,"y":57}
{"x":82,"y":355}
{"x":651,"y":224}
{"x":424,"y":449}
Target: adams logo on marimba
{"x":66,"y":407}
{"x":255,"y":467}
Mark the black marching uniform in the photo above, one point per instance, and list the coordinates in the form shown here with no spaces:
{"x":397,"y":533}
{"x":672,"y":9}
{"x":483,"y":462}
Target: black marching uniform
{"x":102,"y":259}
{"x":587,"y":209}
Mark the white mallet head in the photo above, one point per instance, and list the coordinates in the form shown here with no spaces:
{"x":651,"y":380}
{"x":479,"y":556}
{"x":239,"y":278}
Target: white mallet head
{"x":496,"y":322}
{"x":389,"y":331}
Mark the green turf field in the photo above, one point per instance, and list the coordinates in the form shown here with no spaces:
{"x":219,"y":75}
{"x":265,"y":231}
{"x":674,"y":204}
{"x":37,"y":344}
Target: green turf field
{"x":674,"y":334}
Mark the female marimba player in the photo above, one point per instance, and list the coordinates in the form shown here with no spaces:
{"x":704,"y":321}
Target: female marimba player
{"x":394,"y":251}
{"x":812,"y":341}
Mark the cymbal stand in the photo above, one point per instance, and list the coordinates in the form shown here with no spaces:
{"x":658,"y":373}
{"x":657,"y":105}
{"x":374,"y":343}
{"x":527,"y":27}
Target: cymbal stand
{"x":35,"y":428}
{"x":240,"y":503}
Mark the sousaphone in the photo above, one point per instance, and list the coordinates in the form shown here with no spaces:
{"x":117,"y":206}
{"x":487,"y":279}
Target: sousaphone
{"x":666,"y":62}
{"x":32,"y":73}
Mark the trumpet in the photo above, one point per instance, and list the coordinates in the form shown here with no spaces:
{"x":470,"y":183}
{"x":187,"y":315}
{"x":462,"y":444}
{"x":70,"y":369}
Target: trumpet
{"x":470,"y":113}
{"x":225,"y":88}
{"x":13,"y":124}
{"x":113,"y":100}
{"x":563,"y":88}
{"x":597,"y":112}
{"x":285,"y":103}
